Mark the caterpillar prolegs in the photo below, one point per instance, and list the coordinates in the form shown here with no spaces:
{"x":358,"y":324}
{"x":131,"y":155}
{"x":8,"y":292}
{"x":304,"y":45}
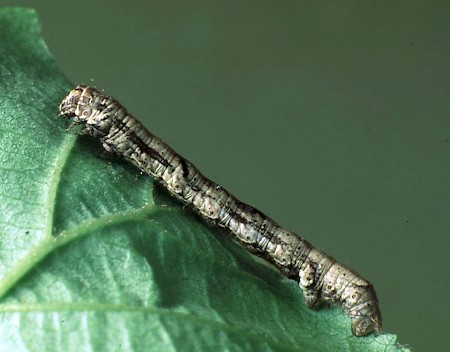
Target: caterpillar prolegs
{"x":320,"y":277}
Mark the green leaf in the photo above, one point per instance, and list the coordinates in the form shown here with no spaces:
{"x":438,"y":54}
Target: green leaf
{"x":95,"y":258}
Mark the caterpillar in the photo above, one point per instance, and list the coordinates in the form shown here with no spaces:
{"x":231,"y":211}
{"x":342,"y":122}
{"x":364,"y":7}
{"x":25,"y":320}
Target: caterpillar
{"x":320,"y":277}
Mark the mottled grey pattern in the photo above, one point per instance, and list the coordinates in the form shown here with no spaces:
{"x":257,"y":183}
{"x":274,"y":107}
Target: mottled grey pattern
{"x":318,"y":275}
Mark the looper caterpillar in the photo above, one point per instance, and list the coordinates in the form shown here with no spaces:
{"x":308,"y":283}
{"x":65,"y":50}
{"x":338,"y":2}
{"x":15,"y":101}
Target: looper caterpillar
{"x":320,"y":277}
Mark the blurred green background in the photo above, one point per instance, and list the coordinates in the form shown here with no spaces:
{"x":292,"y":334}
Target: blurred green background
{"x":331,"y":117}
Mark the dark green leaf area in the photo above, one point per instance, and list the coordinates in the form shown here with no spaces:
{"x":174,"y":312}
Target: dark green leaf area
{"x":30,"y":138}
{"x":147,"y":280}
{"x":95,"y":257}
{"x":82,"y":194}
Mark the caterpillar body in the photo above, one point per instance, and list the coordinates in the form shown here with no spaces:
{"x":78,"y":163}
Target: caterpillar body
{"x":320,"y":277}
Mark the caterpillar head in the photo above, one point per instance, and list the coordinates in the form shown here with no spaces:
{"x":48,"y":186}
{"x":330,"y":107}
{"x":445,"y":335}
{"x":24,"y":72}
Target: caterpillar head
{"x":87,"y":106}
{"x":68,"y":107}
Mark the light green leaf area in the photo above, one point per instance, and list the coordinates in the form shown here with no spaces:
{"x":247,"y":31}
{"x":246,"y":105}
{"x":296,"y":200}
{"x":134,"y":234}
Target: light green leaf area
{"x":94,"y":257}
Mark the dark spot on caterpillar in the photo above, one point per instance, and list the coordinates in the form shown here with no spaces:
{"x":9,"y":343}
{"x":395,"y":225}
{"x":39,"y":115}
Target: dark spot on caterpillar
{"x":100,"y":107}
{"x":184,"y":166}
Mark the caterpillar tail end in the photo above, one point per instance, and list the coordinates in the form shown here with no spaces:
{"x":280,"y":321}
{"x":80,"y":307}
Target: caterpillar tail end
{"x":366,"y":315}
